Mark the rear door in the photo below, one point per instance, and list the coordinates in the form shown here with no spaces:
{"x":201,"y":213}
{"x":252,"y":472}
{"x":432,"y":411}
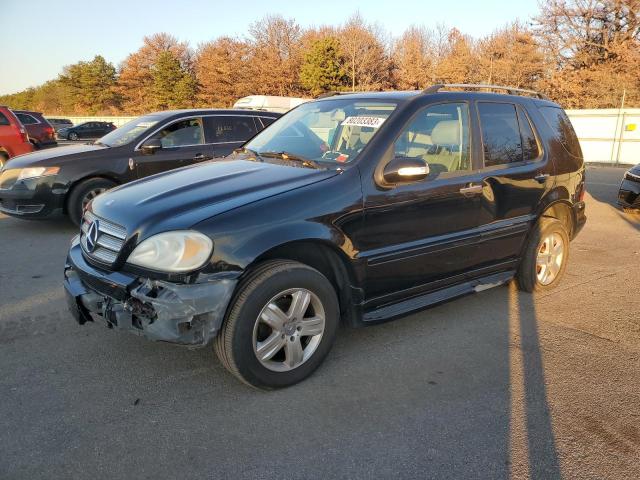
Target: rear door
{"x":516,"y":174}
{"x":228,"y":132}
{"x":182,"y":144}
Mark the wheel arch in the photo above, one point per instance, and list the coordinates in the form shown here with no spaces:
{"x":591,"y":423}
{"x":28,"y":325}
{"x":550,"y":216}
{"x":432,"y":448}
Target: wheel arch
{"x":329,"y":260}
{"x":75,"y":183}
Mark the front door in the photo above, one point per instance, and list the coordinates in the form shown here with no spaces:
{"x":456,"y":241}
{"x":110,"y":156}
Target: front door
{"x":182,"y":143}
{"x":422,"y":236}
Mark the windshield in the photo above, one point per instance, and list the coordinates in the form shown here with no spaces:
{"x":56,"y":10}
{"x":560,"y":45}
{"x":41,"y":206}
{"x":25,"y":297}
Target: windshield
{"x":327,"y":131}
{"x":128,"y":131}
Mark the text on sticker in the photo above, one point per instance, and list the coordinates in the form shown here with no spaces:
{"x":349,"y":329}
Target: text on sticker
{"x":373,"y":122}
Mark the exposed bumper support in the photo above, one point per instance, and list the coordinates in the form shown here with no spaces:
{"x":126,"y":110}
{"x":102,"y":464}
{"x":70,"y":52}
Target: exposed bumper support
{"x":186,"y":314}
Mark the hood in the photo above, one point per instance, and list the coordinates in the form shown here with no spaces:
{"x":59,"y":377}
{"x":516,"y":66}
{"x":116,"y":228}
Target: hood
{"x":53,"y":156}
{"x":635,"y":170}
{"x":181,"y":198}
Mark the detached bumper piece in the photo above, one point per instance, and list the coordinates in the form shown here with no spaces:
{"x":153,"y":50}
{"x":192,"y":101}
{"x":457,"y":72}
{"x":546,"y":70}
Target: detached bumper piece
{"x":185,"y":314}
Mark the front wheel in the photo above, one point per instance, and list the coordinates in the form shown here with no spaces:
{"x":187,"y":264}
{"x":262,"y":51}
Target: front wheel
{"x":545,"y":258}
{"x":73,"y":136}
{"x":83,"y":193}
{"x":281,"y":325}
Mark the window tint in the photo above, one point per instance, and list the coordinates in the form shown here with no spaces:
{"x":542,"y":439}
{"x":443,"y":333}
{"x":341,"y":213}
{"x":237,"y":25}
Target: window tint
{"x":26,"y":119}
{"x":529,"y":142}
{"x":440,"y":135}
{"x":500,"y":133}
{"x":266,"y":121}
{"x":562,"y":129}
{"x":229,"y":129}
{"x":3,"y":119}
{"x":181,"y":133}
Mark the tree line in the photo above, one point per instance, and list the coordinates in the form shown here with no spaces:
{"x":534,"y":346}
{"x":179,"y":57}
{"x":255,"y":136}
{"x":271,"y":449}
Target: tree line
{"x":581,"y":53}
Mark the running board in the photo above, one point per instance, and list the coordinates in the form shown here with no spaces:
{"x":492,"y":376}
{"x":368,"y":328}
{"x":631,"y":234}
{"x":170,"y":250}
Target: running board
{"x":439,"y":296}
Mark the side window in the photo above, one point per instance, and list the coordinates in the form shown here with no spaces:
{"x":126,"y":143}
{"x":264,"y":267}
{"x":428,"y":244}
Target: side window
{"x":229,"y":129}
{"x":439,"y":134}
{"x":530,"y":148}
{"x":181,"y":133}
{"x":562,"y":129}
{"x":266,"y":121}
{"x":3,"y":119}
{"x":26,"y":119}
{"x":500,"y":133}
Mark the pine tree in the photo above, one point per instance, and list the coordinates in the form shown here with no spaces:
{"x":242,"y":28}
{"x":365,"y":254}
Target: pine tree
{"x":172,"y":86}
{"x":323,"y":67}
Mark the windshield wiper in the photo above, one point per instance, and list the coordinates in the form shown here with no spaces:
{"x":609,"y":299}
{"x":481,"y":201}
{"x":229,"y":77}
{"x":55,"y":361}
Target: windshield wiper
{"x":284,"y":155}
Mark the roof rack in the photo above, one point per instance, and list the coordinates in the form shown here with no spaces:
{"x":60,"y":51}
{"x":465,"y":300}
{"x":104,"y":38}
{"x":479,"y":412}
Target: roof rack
{"x":511,"y":90}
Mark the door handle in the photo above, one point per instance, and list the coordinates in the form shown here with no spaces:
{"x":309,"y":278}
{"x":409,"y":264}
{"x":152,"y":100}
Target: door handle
{"x":199,"y":157}
{"x":471,"y":189}
{"x":541,"y":177}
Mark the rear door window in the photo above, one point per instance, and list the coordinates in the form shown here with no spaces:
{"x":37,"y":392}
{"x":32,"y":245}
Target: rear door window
{"x":563,"y":131}
{"x":26,"y":119}
{"x":226,"y":129}
{"x":500,"y":133}
{"x":530,"y":149}
{"x":266,"y":121}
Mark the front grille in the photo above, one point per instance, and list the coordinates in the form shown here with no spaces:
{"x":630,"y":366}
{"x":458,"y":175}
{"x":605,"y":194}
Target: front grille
{"x":109,"y":241}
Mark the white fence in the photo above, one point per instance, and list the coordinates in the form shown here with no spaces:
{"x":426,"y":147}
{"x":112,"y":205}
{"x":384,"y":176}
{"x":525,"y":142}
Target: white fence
{"x":606,"y":136}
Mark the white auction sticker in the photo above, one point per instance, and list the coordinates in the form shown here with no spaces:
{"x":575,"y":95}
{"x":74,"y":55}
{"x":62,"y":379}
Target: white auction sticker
{"x":373,"y":122}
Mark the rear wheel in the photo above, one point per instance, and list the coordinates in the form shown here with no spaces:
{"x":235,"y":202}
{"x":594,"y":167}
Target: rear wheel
{"x":73,"y":136}
{"x":83,"y":193}
{"x":546,"y":256}
{"x":281,"y":325}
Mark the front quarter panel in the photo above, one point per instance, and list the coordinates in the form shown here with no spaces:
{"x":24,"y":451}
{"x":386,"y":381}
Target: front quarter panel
{"x":328,"y":212}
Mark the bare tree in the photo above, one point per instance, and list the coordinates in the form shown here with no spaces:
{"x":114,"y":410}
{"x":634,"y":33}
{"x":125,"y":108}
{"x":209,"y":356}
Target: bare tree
{"x":413,"y":59}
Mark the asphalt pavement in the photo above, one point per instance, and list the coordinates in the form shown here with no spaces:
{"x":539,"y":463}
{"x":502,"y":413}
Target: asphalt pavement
{"x":499,"y":384}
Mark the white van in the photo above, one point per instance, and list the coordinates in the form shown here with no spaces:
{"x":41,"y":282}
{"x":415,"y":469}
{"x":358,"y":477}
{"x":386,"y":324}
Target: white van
{"x":269,"y":103}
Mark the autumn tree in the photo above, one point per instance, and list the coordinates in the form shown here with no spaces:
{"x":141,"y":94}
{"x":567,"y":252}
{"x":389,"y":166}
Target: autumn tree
{"x":510,"y":56}
{"x":459,"y":60}
{"x":274,"y":48}
{"x":413,"y":57}
{"x":594,"y":47}
{"x":367,"y":63}
{"x":135,"y":79}
{"x":323,"y":67}
{"x":221,"y":72}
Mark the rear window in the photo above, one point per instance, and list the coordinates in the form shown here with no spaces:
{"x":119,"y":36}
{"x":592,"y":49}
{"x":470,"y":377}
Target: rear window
{"x":563,"y":131}
{"x":27,"y":119}
{"x":3,"y":120}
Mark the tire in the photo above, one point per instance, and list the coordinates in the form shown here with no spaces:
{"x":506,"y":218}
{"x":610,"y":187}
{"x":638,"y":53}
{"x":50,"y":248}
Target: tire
{"x":544,"y":264}
{"x":82,"y":193}
{"x":236,"y":345}
{"x":72,"y":136}
{"x":36,"y":145}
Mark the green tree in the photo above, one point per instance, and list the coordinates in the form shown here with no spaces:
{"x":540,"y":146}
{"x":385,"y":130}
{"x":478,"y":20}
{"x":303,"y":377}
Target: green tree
{"x":172,"y":86}
{"x":323,"y":67}
{"x":91,"y":86}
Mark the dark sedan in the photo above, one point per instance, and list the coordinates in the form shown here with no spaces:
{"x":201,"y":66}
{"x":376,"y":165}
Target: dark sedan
{"x":67,"y":178}
{"x":86,"y":130}
{"x":629,"y":194}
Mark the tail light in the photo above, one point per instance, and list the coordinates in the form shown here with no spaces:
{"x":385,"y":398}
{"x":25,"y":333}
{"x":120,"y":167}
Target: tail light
{"x":581,"y":194}
{"x":50,"y":132}
{"x":22,"y":132}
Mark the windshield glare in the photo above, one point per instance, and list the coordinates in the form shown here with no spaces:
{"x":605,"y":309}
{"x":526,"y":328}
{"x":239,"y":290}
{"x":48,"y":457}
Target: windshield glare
{"x":333,"y":131}
{"x":128,"y":131}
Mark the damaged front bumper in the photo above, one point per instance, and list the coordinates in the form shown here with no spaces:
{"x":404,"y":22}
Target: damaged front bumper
{"x":185,"y":314}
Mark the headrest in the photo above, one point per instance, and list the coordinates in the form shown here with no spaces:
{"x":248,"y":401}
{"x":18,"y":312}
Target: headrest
{"x":446,"y":132}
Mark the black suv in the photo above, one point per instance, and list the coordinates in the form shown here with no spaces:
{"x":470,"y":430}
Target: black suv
{"x":356,"y":208}
{"x":67,"y":178}
{"x":85,"y":130}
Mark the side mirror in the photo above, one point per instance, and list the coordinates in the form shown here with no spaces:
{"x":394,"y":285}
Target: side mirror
{"x":405,"y":170}
{"x":151,"y":146}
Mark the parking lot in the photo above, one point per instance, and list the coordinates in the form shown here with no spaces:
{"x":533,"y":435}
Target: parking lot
{"x":500,"y":384}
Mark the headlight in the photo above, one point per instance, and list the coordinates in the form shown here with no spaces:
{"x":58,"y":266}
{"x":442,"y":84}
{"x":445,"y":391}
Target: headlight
{"x":33,"y":172}
{"x":179,"y":251}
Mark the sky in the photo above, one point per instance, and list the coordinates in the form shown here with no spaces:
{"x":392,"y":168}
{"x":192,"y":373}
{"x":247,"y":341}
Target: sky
{"x":39,"y":37}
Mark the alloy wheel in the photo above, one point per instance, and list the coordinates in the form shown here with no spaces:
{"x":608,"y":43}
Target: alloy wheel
{"x":91,"y":194}
{"x":549,"y":259}
{"x":288,"y":330}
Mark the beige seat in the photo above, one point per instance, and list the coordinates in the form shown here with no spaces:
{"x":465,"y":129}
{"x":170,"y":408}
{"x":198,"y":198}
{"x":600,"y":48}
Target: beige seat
{"x":445,"y":135}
